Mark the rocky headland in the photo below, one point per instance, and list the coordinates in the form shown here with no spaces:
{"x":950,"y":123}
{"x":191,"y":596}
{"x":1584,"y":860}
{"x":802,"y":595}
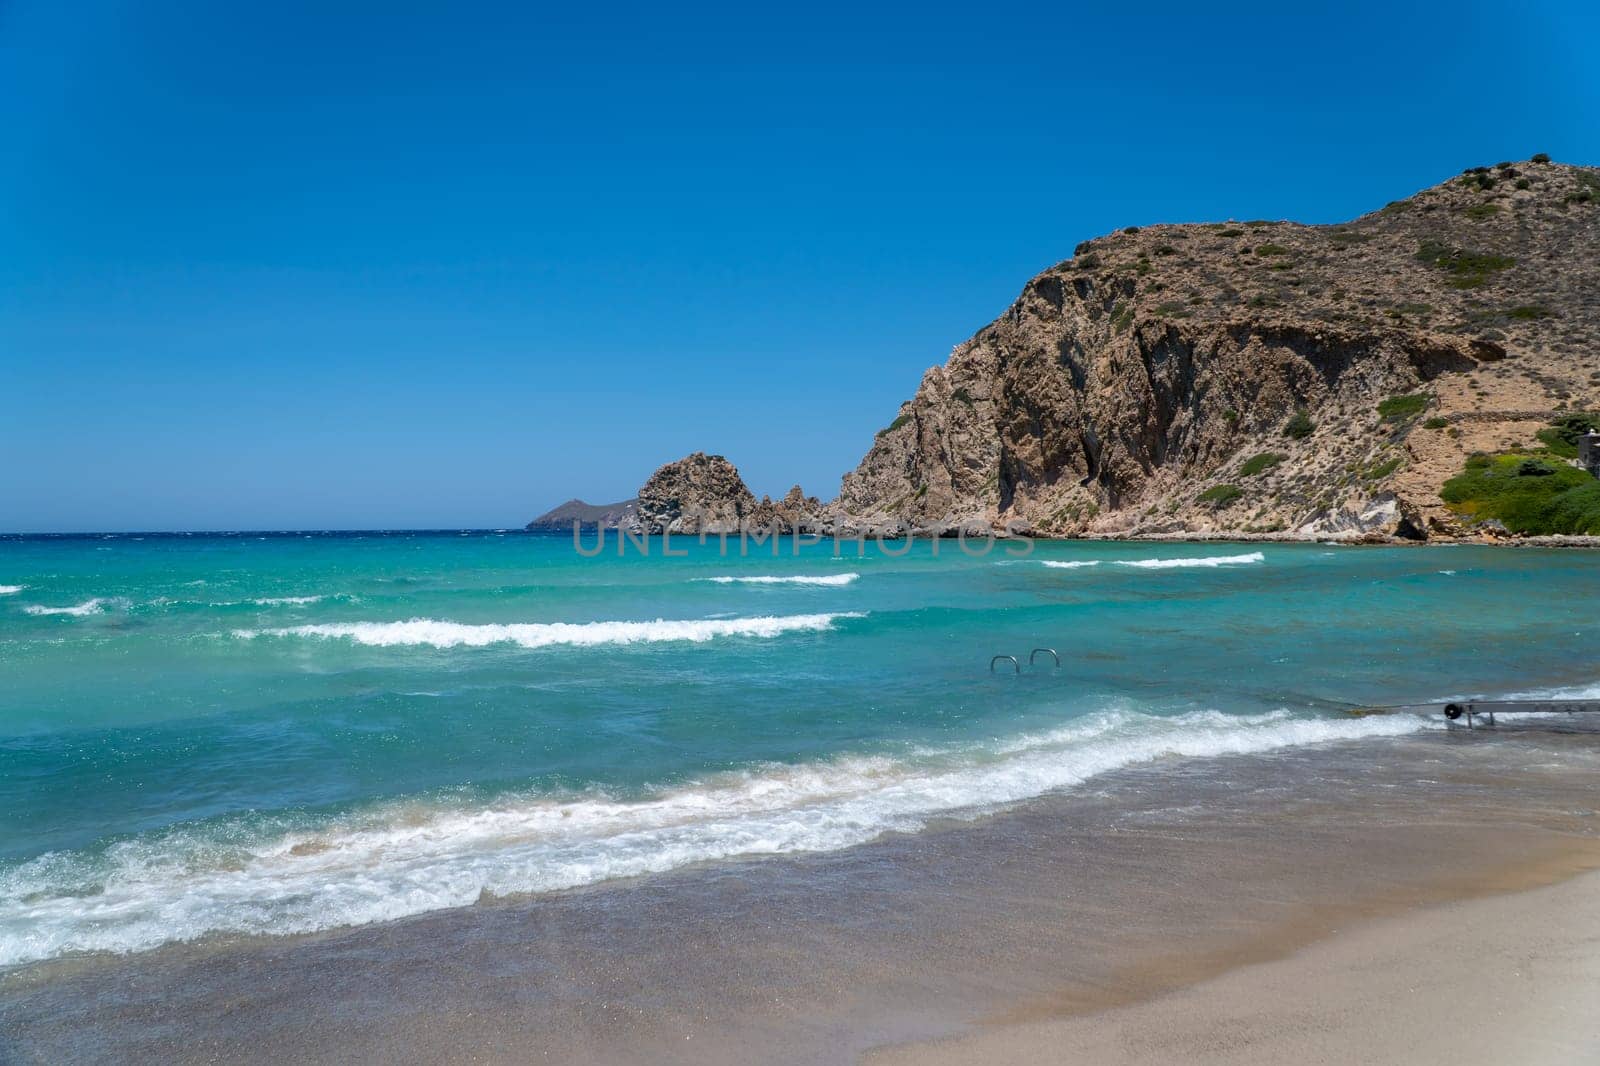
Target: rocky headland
{"x":1248,"y":379}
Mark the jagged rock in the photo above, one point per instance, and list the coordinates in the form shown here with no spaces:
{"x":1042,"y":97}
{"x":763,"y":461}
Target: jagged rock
{"x":699,"y":493}
{"x":1385,"y":516}
{"x":1125,"y":391}
{"x":796,"y":512}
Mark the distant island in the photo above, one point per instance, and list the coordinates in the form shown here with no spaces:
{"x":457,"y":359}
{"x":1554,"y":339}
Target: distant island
{"x":587,"y":515}
{"x":1427,"y":370}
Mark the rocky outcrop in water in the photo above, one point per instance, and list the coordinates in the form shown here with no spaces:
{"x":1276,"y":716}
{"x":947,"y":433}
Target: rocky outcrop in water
{"x":699,"y":493}
{"x":1259,"y":377}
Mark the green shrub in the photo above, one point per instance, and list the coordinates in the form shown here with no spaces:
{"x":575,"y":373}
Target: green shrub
{"x":1221,"y":495}
{"x":1541,"y":157}
{"x":1526,"y":493}
{"x":1257,"y":463}
{"x":1524,"y":183}
{"x":1382,"y":470}
{"x":1562,"y":436}
{"x":1528,"y":312}
{"x":1400,"y":408}
{"x":1231,"y":232}
{"x":1299,"y":426}
{"x":1479,"y":212}
{"x":1436,"y":423}
{"x":1272,"y":249}
{"x":1468,"y":269}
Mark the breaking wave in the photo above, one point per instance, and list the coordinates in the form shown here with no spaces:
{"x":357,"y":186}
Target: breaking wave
{"x":1204,"y":560}
{"x":11,"y":590}
{"x":440,"y":634}
{"x":98,"y":605}
{"x":1075,"y":564}
{"x":400,"y":858}
{"x":796,"y":579}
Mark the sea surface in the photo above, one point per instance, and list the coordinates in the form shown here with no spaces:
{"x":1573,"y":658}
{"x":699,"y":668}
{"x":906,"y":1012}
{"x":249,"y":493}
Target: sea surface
{"x":214,"y":736}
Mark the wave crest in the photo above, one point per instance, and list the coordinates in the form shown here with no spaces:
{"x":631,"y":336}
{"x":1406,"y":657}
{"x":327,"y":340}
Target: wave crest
{"x":795,"y":579}
{"x":441,"y":634}
{"x":1204,"y":561}
{"x":98,"y":605}
{"x":403,"y":858}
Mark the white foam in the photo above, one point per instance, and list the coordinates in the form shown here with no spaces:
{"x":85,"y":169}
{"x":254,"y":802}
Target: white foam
{"x":1569,"y":693}
{"x":1204,"y":560}
{"x":98,"y":605}
{"x":284,"y":601}
{"x":404,"y":858}
{"x":1074,"y":564}
{"x":441,"y":634}
{"x":11,"y":590}
{"x":786,"y":579}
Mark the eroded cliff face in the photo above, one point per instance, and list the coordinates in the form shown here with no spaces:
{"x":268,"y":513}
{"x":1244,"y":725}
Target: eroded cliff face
{"x":1228,"y":377}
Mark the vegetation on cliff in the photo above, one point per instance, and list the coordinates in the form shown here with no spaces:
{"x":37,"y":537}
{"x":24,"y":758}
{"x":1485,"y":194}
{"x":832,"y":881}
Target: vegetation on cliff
{"x":1532,"y":492}
{"x":1528,"y":494}
{"x":1128,"y":389}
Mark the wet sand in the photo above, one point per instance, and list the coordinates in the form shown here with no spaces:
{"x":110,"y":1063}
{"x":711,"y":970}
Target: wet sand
{"x":976,"y":939}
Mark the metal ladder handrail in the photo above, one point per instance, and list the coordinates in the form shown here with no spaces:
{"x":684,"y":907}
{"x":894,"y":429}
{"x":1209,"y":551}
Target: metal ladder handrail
{"x":1016,"y":665}
{"x":1036,"y":651}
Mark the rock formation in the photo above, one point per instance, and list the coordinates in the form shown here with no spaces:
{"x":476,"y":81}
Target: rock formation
{"x":1259,"y":377}
{"x":699,"y":493}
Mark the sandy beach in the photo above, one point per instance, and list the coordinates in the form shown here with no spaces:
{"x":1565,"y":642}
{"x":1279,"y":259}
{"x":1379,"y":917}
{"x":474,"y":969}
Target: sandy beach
{"x":1510,"y":978}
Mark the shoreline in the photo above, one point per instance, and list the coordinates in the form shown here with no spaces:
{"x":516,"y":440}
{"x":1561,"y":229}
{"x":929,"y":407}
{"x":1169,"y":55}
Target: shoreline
{"x":1403,"y":986}
{"x":1121,"y":893}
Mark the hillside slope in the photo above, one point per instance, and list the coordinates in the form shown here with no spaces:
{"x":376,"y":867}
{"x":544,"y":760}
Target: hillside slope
{"x":1260,"y":377}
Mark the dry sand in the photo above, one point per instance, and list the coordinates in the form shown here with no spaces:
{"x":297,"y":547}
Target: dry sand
{"x":1505,"y":979}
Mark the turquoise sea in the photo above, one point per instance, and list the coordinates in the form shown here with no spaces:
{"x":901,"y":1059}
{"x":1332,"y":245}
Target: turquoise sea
{"x":215,"y":735}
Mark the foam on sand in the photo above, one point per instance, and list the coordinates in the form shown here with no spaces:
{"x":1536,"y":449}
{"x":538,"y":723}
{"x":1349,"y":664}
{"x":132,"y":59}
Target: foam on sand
{"x":795,"y":579}
{"x":441,"y":634}
{"x":399,"y":858}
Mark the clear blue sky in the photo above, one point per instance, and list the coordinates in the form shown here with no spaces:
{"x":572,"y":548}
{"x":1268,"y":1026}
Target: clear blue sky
{"x":334,"y":265}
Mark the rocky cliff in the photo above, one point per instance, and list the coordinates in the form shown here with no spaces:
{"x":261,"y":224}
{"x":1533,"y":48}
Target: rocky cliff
{"x":1259,"y":377}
